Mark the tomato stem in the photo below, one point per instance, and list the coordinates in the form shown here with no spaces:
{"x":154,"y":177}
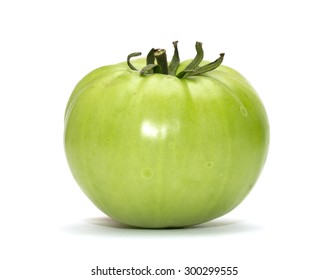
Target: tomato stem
{"x":161,"y":66}
{"x":150,"y":57}
{"x":161,"y":58}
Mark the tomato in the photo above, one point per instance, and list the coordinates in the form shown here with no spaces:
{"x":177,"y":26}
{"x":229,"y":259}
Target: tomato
{"x":158,"y":150}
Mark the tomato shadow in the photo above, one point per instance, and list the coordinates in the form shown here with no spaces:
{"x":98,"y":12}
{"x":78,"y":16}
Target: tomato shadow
{"x":107,"y":227}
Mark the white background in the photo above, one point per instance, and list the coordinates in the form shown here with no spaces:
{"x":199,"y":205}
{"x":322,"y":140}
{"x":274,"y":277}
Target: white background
{"x":50,"y":230}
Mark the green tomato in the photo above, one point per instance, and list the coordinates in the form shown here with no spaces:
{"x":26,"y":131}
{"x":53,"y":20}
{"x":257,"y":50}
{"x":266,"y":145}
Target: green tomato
{"x":156,"y":151}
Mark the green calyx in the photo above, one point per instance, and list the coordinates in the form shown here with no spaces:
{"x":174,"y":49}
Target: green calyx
{"x":156,"y":62}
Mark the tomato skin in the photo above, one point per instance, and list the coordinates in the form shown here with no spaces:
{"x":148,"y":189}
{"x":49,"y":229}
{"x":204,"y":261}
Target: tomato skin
{"x":156,"y":151}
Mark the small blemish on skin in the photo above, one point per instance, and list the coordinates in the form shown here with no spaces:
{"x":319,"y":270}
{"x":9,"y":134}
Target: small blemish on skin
{"x":147,"y":173}
{"x":243,"y":111}
{"x":210,"y":164}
